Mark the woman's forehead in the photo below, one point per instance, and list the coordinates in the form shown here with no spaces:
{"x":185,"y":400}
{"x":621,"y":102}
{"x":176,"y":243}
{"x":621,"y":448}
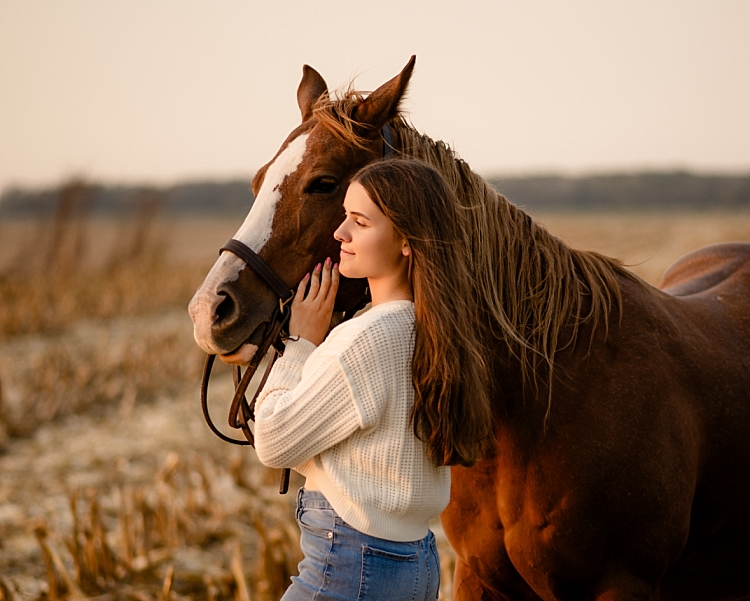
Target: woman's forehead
{"x":357,"y":200}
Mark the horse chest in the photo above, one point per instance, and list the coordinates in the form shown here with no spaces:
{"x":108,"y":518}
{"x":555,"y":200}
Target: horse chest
{"x":510,"y":529}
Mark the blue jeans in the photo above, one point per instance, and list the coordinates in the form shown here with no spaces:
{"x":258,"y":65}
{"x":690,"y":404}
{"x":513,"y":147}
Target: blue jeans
{"x":344,"y":564}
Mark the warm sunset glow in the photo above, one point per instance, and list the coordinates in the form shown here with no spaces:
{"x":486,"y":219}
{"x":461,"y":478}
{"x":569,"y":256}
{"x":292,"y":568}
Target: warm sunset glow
{"x":139,"y":91}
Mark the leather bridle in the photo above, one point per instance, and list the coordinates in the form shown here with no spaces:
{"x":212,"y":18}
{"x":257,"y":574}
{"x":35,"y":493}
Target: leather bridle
{"x":241,"y":412}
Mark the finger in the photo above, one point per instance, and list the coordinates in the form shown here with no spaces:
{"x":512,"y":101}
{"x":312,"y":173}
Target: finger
{"x":299,"y":295}
{"x":325,"y":280}
{"x":331,"y":298}
{"x":314,"y":283}
{"x":335,"y":278}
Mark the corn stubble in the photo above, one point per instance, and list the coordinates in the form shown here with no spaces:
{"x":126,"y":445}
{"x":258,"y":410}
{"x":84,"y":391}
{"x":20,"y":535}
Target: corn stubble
{"x":92,"y":329}
{"x":177,"y":538}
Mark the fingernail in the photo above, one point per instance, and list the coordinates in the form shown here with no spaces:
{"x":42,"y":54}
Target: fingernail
{"x":318,"y":266}
{"x":307,"y":275}
{"x":335,"y":265}
{"x":328,"y":260}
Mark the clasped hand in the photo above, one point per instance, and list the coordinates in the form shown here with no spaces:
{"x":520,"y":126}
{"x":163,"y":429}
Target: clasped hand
{"x":311,"y":313}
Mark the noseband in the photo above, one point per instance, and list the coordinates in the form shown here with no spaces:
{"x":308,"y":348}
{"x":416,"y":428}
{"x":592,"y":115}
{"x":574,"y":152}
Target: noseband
{"x":240,"y":411}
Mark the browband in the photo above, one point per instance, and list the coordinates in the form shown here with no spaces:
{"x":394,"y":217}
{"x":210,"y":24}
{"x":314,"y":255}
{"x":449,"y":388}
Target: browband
{"x":389,"y":150}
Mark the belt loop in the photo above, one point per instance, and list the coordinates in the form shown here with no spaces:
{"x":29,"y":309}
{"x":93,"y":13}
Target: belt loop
{"x":299,"y":504}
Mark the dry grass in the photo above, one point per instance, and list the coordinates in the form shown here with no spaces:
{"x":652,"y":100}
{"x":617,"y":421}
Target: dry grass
{"x":95,"y":366}
{"x":93,"y":311}
{"x":182,"y":536}
{"x":56,"y":272}
{"x":98,"y":327}
{"x":648,"y":243}
{"x":45,"y":303}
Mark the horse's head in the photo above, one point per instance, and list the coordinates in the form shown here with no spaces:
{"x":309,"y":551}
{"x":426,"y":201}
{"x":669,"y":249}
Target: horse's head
{"x":298,"y":205}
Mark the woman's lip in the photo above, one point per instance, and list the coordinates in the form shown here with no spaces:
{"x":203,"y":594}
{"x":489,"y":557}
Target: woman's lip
{"x":346,"y":252}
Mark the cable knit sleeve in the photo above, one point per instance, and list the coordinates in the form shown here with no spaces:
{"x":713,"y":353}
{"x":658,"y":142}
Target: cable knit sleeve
{"x":303,"y":409}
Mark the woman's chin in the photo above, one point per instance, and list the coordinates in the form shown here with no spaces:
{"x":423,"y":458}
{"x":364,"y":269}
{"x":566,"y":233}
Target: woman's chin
{"x":347,"y":272}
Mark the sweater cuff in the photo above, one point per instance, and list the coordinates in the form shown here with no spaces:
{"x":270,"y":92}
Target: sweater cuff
{"x":287,"y":371}
{"x":297,"y":351}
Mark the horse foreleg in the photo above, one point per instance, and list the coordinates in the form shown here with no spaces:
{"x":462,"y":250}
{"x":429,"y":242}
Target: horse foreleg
{"x":627,"y":596}
{"x":468,"y":586}
{"x":623,"y":586}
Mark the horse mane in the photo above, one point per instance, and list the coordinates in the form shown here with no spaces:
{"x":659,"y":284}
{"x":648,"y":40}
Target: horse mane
{"x":533,"y":290}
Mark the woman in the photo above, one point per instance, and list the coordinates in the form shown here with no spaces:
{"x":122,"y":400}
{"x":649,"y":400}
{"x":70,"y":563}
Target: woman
{"x":373,"y":414}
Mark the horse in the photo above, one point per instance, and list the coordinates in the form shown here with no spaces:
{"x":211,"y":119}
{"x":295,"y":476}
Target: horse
{"x":619,"y":468}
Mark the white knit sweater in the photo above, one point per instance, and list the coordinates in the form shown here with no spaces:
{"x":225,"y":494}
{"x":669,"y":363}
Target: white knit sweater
{"x":339,"y":415}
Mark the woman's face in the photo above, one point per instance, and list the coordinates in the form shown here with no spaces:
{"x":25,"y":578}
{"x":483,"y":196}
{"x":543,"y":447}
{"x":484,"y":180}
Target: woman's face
{"x":370,"y":246}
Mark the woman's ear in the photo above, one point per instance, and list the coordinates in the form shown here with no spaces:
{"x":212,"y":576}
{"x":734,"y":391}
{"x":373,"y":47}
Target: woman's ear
{"x":406,"y":249}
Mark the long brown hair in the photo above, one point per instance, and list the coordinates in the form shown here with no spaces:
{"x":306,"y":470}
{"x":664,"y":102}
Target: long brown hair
{"x":452,"y":411}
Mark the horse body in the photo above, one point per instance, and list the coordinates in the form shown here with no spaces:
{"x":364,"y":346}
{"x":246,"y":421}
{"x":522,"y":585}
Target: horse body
{"x":637,"y":487}
{"x":627,"y":479}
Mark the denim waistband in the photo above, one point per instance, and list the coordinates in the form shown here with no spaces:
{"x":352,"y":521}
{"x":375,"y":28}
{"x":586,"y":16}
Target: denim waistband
{"x":313,"y":499}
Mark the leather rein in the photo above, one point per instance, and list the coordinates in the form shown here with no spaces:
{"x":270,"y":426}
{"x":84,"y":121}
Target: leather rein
{"x":242,"y":412}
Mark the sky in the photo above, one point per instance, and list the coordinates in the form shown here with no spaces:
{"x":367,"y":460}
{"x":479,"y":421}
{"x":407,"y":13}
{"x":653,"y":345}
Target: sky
{"x":160,"y":91}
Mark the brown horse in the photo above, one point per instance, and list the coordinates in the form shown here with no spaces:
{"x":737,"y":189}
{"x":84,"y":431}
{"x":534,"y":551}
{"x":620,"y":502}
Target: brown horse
{"x":622,"y":463}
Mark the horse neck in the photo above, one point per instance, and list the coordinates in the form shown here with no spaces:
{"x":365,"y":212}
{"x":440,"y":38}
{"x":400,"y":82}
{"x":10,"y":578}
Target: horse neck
{"x":535,"y":291}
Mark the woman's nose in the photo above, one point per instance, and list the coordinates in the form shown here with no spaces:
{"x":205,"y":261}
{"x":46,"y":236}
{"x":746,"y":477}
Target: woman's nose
{"x":341,"y":235}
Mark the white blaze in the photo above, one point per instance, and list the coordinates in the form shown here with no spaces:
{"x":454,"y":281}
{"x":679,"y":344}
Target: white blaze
{"x":256,"y":230}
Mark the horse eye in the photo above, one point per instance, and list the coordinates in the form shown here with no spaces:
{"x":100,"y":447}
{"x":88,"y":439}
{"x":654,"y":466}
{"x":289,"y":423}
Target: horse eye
{"x":322,"y":185}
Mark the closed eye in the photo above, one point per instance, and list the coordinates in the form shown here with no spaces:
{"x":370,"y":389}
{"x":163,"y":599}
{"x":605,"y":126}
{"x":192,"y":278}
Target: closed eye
{"x":355,"y":218}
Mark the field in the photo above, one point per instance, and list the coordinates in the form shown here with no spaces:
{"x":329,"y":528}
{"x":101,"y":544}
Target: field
{"x":112,"y":487}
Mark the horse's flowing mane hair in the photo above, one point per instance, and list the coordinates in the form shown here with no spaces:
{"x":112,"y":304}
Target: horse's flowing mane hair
{"x":532,"y":291}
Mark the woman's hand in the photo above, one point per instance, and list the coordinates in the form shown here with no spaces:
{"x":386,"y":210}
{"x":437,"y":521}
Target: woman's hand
{"x":311,"y":314}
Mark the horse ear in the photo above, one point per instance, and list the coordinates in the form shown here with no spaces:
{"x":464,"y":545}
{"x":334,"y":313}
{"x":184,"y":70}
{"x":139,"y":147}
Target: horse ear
{"x":382,"y":105}
{"x":312,"y":87}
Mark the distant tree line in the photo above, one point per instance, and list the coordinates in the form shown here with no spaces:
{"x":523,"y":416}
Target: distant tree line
{"x":222,"y":199}
{"x":676,"y":191}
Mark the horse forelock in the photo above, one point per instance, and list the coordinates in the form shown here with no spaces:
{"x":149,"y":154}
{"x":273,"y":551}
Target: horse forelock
{"x":337,"y":114}
{"x":257,"y":228}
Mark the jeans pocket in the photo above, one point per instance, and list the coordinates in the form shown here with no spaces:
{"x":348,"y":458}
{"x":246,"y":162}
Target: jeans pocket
{"x":316,"y":521}
{"x":388,"y":575}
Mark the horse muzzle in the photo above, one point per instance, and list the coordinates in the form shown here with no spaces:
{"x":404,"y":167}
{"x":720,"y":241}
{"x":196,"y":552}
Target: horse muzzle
{"x":222,"y":327}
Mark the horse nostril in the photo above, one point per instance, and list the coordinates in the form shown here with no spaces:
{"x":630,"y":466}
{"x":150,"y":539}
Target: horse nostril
{"x":226,"y":311}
